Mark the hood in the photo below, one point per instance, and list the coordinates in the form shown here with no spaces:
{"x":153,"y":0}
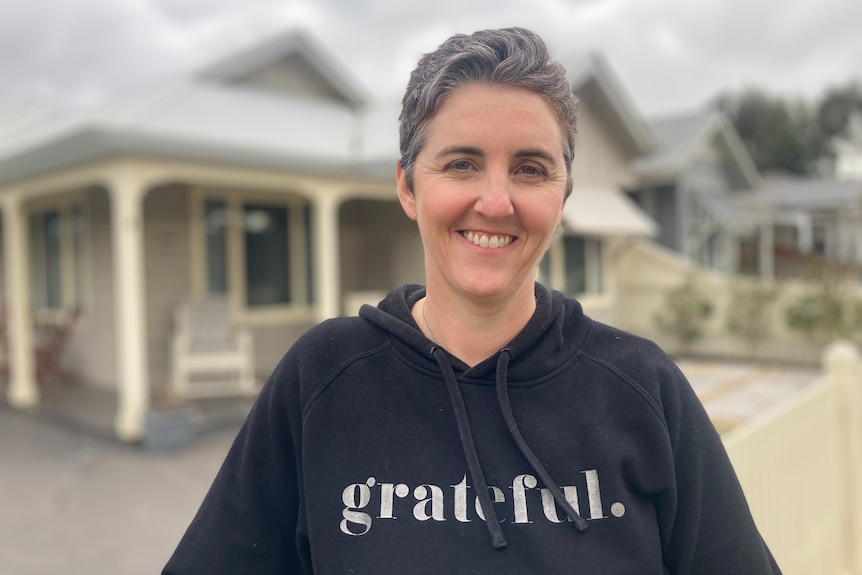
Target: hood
{"x":556,"y":331}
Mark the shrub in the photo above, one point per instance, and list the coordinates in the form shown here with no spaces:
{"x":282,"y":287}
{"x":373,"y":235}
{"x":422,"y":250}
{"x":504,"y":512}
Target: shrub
{"x":684,"y":313}
{"x":825,"y":314}
{"x":748,"y":311}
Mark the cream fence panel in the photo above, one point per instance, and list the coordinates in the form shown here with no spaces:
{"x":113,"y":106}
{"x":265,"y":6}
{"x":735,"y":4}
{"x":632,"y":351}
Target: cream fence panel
{"x":801,"y":468}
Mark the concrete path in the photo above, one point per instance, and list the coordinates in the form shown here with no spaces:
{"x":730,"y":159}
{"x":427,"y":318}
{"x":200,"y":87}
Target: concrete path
{"x":734,"y":393}
{"x":77,"y":503}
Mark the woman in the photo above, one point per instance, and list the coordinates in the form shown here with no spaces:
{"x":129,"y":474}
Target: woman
{"x":482,"y":424}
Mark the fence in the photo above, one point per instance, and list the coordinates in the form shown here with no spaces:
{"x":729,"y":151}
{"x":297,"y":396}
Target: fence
{"x":647,"y":272}
{"x":801,"y":468}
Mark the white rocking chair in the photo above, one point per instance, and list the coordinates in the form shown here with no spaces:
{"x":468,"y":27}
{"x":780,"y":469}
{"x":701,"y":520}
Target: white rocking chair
{"x":210,"y":357}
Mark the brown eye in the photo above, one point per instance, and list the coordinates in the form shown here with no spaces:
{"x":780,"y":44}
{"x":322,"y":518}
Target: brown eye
{"x":532,"y":170}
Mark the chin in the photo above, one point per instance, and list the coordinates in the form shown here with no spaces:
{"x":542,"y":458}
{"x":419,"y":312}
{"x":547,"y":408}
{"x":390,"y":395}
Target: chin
{"x":493,"y":288}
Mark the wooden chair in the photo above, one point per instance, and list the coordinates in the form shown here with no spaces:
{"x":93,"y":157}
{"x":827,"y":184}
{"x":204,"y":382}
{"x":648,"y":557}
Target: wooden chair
{"x":210,"y":357}
{"x":50,"y":339}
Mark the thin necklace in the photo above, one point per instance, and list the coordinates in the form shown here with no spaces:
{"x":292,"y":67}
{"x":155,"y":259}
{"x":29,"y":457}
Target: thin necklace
{"x":427,"y":325}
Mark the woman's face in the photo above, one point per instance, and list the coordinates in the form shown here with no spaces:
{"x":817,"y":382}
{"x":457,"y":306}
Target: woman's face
{"x":488,"y":190}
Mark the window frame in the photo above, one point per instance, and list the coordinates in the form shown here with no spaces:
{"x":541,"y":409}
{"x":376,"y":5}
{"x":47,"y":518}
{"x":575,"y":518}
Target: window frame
{"x":553,"y":267}
{"x":74,"y":255}
{"x":300,"y":257}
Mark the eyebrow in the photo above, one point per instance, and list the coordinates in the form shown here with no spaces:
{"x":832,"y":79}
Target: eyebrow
{"x":473,"y":151}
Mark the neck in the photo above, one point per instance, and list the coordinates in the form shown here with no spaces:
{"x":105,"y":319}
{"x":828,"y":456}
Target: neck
{"x":473,"y":329}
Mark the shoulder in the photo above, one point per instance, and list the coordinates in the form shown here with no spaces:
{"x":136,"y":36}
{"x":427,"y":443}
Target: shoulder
{"x":341,"y":334}
{"x":638,"y":363}
{"x":324,"y":350}
{"x":630,"y":353}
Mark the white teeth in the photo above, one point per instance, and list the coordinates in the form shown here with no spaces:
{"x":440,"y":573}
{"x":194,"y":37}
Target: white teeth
{"x":484,"y":241}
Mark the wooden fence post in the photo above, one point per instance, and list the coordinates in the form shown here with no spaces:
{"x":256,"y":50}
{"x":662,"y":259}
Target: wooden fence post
{"x":842,"y":364}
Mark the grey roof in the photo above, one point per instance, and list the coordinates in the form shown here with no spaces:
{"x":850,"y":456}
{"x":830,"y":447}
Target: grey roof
{"x":678,"y":138}
{"x":784,"y":191}
{"x":209,"y":116}
{"x":587,"y":68}
{"x":675,"y":138}
{"x":236,"y":66}
{"x":220,"y":114}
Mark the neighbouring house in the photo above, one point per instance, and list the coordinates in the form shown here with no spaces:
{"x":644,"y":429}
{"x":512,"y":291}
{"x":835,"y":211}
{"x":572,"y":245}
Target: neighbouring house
{"x":599,"y":219}
{"x":848,"y":161}
{"x":692,"y":185}
{"x":265,"y":179}
{"x":816,"y":221}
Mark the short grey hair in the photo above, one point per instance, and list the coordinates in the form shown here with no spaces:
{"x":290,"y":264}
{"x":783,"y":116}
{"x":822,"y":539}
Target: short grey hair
{"x":513,"y":57}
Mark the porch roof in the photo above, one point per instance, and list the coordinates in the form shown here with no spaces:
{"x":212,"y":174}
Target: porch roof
{"x":605,"y":212}
{"x":212,"y":123}
{"x":785,"y":191}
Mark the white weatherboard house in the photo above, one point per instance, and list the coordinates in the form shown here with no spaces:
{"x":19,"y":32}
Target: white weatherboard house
{"x":265,"y":183}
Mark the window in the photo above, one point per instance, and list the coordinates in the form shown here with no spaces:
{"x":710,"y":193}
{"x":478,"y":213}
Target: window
{"x":56,"y":257}
{"x":583,"y":265}
{"x":215,"y":226}
{"x":574,"y":265}
{"x":267,"y":253}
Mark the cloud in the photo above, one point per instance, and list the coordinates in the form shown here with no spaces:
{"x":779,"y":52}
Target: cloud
{"x":66,"y":51}
{"x":668,"y":54}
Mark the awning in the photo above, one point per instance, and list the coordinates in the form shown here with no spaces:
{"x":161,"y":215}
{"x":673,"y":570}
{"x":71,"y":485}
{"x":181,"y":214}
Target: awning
{"x":605,"y":212}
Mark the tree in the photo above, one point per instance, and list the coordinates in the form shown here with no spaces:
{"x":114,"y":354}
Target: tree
{"x":837,"y":108}
{"x":779,"y":135}
{"x":792,"y":135}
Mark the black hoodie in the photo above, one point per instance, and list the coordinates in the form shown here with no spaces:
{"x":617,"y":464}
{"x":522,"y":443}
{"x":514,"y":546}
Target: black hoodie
{"x":371,"y":450}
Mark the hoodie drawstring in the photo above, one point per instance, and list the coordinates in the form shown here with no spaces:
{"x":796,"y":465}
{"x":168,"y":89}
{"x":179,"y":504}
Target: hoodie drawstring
{"x":477,"y":475}
{"x":498,"y":539}
{"x":509,"y":418}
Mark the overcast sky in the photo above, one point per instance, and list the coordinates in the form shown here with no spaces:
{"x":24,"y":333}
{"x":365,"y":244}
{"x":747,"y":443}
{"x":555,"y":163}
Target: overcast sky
{"x":670,"y":55}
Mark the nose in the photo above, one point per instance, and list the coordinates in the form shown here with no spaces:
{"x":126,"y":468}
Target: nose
{"x":495,"y":201}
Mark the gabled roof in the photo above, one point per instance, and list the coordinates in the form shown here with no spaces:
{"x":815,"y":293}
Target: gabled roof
{"x":294,"y":52}
{"x":682,"y":137}
{"x":592,"y":72}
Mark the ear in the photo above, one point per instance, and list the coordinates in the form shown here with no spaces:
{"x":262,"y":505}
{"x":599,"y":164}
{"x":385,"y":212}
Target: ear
{"x":405,"y":194}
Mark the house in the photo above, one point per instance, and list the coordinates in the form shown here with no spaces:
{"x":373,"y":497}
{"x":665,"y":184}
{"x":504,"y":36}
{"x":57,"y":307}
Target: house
{"x":816,"y":221}
{"x":692,"y":185}
{"x":599,"y":219}
{"x":848,"y":149}
{"x":266,"y":178}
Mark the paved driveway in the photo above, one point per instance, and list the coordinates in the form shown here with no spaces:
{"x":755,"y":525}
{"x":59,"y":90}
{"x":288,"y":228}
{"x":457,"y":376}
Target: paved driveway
{"x":735,"y":392}
{"x":78,"y":504}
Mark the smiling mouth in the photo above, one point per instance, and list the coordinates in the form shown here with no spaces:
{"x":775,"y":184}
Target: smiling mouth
{"x":486,"y":241}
